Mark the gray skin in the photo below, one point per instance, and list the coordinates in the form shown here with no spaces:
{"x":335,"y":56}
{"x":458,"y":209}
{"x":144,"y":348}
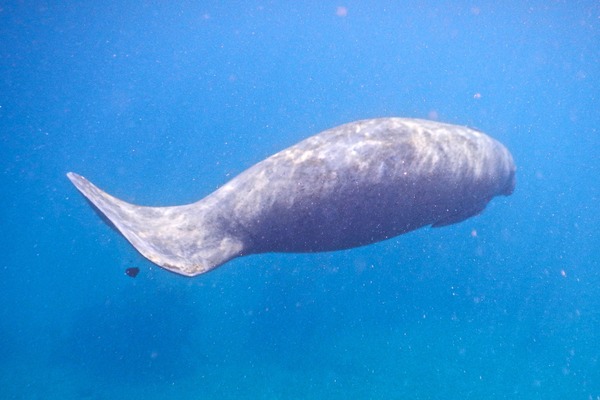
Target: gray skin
{"x":349,"y":186}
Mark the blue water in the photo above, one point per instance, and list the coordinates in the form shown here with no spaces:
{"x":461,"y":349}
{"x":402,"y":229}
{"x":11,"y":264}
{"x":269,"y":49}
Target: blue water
{"x":159,"y":103}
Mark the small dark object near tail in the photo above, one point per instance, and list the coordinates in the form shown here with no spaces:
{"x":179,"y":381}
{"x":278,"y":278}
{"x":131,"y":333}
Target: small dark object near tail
{"x":132,"y":272}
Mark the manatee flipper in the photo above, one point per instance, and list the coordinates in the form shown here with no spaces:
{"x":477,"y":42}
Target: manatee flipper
{"x":182,"y":239}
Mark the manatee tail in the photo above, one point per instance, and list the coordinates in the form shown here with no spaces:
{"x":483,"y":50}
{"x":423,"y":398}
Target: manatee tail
{"x":181,"y":239}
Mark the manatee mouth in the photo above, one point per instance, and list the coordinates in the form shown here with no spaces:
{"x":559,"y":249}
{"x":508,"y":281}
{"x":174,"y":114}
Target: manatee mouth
{"x":509,"y":188}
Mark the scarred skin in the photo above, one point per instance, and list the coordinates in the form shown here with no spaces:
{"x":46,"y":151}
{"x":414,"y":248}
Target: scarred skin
{"x":348,"y":186}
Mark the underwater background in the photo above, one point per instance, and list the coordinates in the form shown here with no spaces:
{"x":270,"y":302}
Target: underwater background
{"x":160,"y":103}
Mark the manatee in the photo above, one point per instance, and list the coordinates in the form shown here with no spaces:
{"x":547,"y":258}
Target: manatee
{"x":349,"y":186}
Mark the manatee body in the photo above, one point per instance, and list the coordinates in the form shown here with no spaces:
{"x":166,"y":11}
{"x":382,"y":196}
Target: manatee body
{"x":349,"y":186}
